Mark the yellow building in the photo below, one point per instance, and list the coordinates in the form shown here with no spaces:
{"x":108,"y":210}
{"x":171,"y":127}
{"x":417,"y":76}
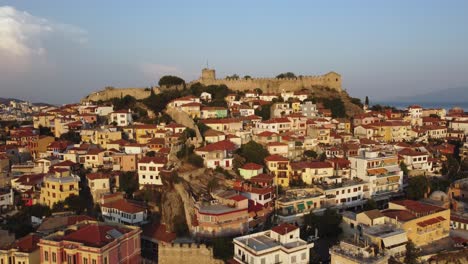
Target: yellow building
{"x":144,"y":132}
{"x":24,"y":250}
{"x":296,"y":106}
{"x":279,"y":167}
{"x":57,"y":187}
{"x":103,"y":137}
{"x":423,"y":223}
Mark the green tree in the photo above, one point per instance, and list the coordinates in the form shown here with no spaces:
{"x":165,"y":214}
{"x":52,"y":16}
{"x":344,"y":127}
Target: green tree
{"x":263,"y":111}
{"x":71,"y":136}
{"x":335,"y":105}
{"x":169,"y":80}
{"x":75,"y":203}
{"x":370,"y":205}
{"x":223,"y":248}
{"x":253,"y":152}
{"x":310,"y":154}
{"x":233,"y":77}
{"x":417,"y":187}
{"x":45,"y":131}
{"x":412,"y":254}
{"x":195,"y":160}
{"x":284,"y":75}
{"x":150,"y":153}
{"x":367,"y":101}
{"x":404,"y":168}
{"x":258,"y":91}
{"x":128,"y":183}
{"x":247,"y":77}
{"x":323,"y":156}
{"x":328,"y":224}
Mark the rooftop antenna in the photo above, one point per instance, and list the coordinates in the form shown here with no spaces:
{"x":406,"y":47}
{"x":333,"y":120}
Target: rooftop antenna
{"x":207,"y":65}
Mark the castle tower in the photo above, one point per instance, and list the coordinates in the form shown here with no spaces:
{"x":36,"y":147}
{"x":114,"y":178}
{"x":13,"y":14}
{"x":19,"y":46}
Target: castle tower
{"x":208,"y":75}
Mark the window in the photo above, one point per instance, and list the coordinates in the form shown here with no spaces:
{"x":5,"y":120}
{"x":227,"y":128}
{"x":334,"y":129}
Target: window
{"x":293,"y":259}
{"x":93,"y":261}
{"x":105,"y":260}
{"x":303,"y":256}
{"x":46,"y":256}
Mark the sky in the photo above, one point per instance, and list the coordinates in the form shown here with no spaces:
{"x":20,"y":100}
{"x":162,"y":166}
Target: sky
{"x":59,"y":51}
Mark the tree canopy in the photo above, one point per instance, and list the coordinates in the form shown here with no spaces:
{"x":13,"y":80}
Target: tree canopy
{"x":284,"y":75}
{"x":169,"y":80}
{"x":253,"y":152}
{"x":417,"y":187}
{"x":328,"y":224}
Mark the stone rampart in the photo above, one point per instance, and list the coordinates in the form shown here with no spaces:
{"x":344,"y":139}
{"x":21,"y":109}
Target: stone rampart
{"x":186,"y":253}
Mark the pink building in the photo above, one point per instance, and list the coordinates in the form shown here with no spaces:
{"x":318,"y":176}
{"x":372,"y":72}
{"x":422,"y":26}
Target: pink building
{"x":91,"y":242}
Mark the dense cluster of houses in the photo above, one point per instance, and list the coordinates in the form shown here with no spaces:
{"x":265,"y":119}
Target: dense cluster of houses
{"x":315,"y":162}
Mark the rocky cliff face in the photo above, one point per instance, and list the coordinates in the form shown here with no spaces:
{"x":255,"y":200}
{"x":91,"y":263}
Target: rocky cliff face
{"x":172,"y":210}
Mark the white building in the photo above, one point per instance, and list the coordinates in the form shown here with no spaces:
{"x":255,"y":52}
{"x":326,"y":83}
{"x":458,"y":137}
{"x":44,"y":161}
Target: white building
{"x":104,"y":110}
{"x":381,"y":170}
{"x":6,"y":198}
{"x":123,"y":211}
{"x":121,"y":117}
{"x":415,"y":160}
{"x":149,"y":169}
{"x":309,"y":109}
{"x":281,"y":244}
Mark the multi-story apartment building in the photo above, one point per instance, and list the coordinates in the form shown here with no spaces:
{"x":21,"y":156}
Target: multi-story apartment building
{"x":91,"y":242}
{"x":228,"y":215}
{"x":279,"y":167}
{"x":219,"y":154}
{"x":57,"y":187}
{"x":292,"y":206}
{"x":281,"y":244}
{"x":381,"y":170}
{"x":121,"y":118}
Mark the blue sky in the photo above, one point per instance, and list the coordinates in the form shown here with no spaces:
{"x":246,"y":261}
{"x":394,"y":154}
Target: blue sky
{"x":58,"y":51}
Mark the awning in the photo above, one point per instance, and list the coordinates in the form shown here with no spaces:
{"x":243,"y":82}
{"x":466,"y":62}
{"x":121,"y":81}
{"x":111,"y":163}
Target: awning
{"x":394,"y":179}
{"x":395,"y":240}
{"x":376,"y":171}
{"x":290,"y":208}
{"x":310,"y":203}
{"x":300,"y":206}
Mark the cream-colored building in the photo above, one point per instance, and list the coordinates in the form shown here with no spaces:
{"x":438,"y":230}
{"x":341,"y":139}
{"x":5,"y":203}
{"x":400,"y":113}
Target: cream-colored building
{"x":22,"y":251}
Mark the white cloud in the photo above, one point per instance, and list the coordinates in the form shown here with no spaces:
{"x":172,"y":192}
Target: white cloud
{"x":155,"y":71}
{"x":23,"y":38}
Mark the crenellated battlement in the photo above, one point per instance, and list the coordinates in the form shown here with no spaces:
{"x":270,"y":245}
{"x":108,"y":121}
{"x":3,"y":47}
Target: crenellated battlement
{"x":186,"y":253}
{"x":275,"y":85}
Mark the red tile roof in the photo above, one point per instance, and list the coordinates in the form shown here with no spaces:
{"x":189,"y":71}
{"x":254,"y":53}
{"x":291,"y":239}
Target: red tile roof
{"x":158,"y":160}
{"x":252,"y":166}
{"x":218,"y":146}
{"x":276,"y":157}
{"x":400,"y":215}
{"x":238,"y":198}
{"x":94,"y":235}
{"x":431,"y":221}
{"x":158,"y":232}
{"x":96,"y":175}
{"x":25,"y":244}
{"x":418,"y":207}
{"x":284,"y":228}
{"x":125,"y":206}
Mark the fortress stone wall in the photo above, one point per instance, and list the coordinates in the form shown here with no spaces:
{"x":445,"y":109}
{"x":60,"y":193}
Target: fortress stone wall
{"x":273,"y":85}
{"x":111,"y":92}
{"x":186,"y":254}
{"x":208,"y":77}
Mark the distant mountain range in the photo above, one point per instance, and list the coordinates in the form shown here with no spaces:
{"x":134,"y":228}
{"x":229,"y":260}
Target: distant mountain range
{"x":7,"y":101}
{"x":452,"y":95}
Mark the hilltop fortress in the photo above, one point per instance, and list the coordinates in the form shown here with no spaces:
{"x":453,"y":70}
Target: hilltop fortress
{"x":208,"y":77}
{"x":273,"y":85}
